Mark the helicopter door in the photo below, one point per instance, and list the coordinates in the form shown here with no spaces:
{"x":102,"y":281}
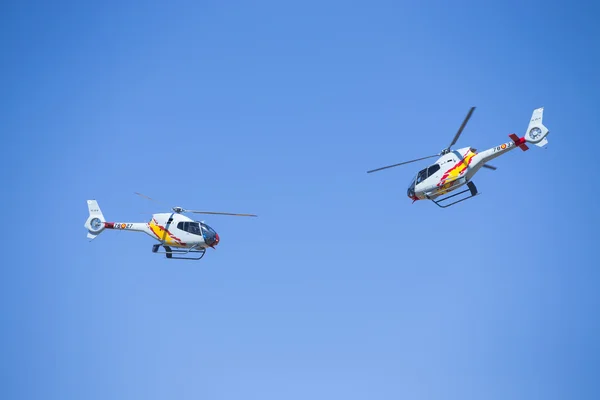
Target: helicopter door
{"x":432,"y":170}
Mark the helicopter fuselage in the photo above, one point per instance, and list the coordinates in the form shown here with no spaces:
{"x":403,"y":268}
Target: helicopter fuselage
{"x":453,"y":170}
{"x":172,"y":229}
{"x":178,"y":236}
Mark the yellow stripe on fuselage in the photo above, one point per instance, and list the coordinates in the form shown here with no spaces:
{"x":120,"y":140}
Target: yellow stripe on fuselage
{"x":458,"y":169}
{"x":162,"y":234}
{"x":454,"y":173}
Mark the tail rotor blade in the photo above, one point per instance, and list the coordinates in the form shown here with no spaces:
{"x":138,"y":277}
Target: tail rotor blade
{"x":488,"y":166}
{"x":402,"y":163}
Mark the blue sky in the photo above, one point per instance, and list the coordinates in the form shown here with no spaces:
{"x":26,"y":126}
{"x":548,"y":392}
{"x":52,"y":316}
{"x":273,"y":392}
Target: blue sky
{"x":341,"y":288}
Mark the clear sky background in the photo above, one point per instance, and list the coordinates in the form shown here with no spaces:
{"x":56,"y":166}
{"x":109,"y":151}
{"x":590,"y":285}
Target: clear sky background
{"x":341,"y":288}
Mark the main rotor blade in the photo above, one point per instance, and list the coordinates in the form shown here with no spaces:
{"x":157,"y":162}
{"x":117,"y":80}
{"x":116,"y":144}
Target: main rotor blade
{"x":150,"y":198}
{"x":462,"y":126}
{"x":220,"y":213}
{"x":402,"y":163}
{"x":488,"y":166}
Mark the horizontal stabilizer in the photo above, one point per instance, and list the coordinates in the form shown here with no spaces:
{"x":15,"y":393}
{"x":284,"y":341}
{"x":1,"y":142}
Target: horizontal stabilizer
{"x":519,"y":141}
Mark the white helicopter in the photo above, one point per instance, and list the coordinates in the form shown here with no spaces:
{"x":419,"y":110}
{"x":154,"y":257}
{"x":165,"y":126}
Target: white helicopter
{"x":180,"y":237}
{"x":455,"y":168}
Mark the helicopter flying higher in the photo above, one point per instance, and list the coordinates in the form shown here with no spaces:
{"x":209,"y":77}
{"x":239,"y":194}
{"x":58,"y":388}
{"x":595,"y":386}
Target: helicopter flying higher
{"x":179,"y":236}
{"x":455,"y":168}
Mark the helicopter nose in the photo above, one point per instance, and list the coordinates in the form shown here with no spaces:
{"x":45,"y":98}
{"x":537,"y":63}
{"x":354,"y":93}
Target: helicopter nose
{"x":216,"y":239}
{"x":411,"y":195}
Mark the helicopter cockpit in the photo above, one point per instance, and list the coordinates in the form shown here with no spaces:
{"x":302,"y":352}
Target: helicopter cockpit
{"x":211,"y":237}
{"x":420,"y":177}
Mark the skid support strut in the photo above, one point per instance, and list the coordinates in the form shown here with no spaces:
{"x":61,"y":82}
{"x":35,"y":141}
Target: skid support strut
{"x":180,"y":254}
{"x":471,"y":188}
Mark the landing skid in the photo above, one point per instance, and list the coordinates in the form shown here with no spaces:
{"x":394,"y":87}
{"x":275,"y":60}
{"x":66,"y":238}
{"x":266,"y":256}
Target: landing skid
{"x":180,"y":254}
{"x":471,"y":188}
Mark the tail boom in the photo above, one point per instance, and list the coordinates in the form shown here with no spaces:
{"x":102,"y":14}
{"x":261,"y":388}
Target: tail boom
{"x":536,"y":134}
{"x":96,"y":223}
{"x":128,"y":226}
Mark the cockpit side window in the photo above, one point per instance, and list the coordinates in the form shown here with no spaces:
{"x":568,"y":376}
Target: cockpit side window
{"x":191,"y":227}
{"x":194,"y":228}
{"x":433,"y":169}
{"x":427,"y":172}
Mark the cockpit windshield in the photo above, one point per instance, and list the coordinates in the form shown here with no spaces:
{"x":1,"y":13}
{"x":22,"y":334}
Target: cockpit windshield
{"x":209,"y":234}
{"x":411,"y":189}
{"x":422,"y":175}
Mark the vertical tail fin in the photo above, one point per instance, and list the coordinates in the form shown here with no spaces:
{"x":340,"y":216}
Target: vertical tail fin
{"x":536,"y":131}
{"x":95,"y":221}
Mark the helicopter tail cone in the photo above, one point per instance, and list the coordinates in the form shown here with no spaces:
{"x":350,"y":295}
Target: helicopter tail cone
{"x":536,"y":131}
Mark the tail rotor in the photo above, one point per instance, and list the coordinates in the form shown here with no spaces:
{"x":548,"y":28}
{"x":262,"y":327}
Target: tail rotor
{"x":95,"y":222}
{"x":536,"y":131}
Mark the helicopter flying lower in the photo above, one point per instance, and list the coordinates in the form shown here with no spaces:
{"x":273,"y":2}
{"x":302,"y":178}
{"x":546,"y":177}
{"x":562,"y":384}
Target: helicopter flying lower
{"x":179,"y":236}
{"x":455,"y":168}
